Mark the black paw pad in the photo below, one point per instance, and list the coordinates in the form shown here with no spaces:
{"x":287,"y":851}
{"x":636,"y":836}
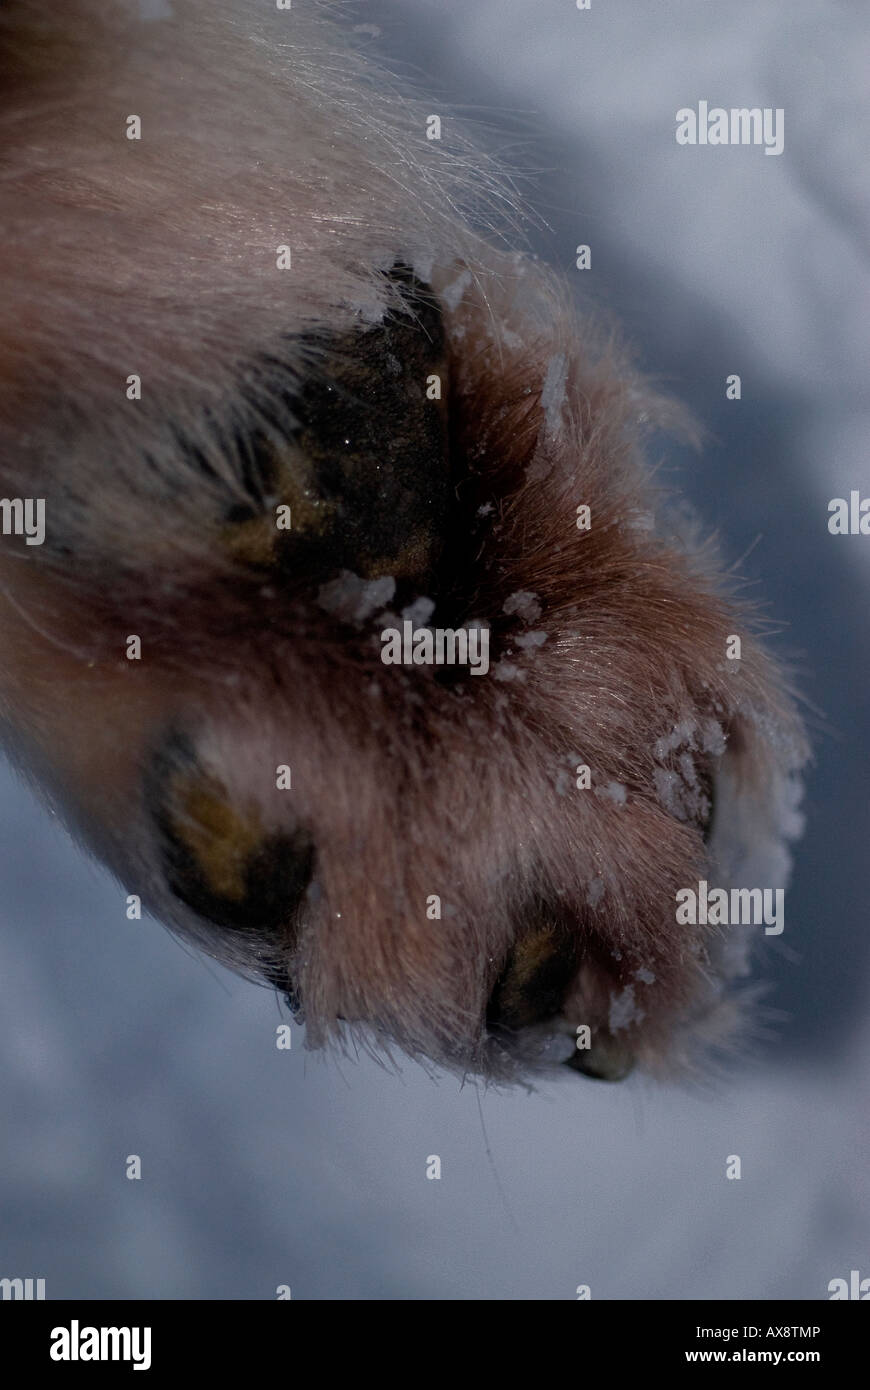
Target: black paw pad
{"x":534,"y":979}
{"x":217,"y":856}
{"x":362,"y":472}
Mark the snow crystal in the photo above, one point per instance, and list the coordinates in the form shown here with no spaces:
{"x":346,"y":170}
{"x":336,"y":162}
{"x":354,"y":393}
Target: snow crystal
{"x":423,"y":263}
{"x":523,"y":605}
{"x":419,"y":612}
{"x":624,"y":1010}
{"x":713,"y":737}
{"x":595,"y":891}
{"x":615,"y":792}
{"x":700,"y":735}
{"x":387,"y":618}
{"x":682,"y":733}
{"x":453,"y":293}
{"x":688,"y":770}
{"x":553,"y":391}
{"x":505,"y":671}
{"x":352,"y":599}
{"x":531,"y":639}
{"x":669,"y":792}
{"x":564,"y":782}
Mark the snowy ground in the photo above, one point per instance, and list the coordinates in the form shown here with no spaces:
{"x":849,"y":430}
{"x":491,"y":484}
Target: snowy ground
{"x":263,"y":1167}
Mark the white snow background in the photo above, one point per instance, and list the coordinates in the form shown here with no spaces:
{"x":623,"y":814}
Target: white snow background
{"x":262,"y":1167}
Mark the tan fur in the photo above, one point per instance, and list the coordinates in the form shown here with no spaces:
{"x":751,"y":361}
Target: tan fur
{"x":158,"y":258}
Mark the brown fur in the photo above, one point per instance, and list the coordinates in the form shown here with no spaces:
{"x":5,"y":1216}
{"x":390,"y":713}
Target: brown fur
{"x":160,"y":260}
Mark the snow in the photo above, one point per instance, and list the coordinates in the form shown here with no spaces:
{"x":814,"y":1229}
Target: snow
{"x":553,"y":391}
{"x":613,"y":791}
{"x":419,"y":612}
{"x":523,"y":605}
{"x":507,"y":671}
{"x":624,"y":1010}
{"x":354,"y":600}
{"x":595,"y":891}
{"x":453,"y":292}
